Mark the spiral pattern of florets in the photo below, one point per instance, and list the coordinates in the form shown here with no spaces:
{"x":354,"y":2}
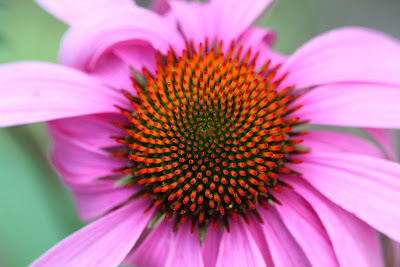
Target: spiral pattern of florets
{"x":209,"y":135}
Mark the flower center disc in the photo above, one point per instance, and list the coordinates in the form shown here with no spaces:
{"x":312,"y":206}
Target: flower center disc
{"x":209,"y":137}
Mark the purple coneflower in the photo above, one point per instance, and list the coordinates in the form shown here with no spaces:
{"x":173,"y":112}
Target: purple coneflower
{"x":179,"y":135}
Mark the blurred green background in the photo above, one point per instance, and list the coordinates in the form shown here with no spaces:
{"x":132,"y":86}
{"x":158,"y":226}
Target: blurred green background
{"x":36,"y":210}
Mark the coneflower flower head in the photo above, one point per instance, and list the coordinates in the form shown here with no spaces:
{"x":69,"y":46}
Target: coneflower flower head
{"x":208,"y":134}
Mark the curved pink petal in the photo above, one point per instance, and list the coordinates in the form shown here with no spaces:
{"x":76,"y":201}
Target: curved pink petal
{"x":345,"y":55}
{"x":211,"y":245}
{"x":238,"y":247}
{"x":306,"y":228}
{"x":42,"y":91}
{"x":185,"y":249}
{"x":97,"y":198}
{"x":115,"y":68}
{"x":105,"y":242}
{"x":77,"y":152}
{"x":355,"y":243}
{"x":114,"y":72}
{"x":330,"y":141}
{"x":80,"y":165}
{"x":138,"y":55}
{"x":369,"y":252}
{"x":84,"y":45}
{"x":387,"y":139}
{"x":222,"y":19}
{"x":285,"y":251}
{"x":72,"y":11}
{"x":155,"y":248}
{"x":92,"y":131}
{"x":353,"y":105}
{"x":76,"y":163}
{"x":260,"y":40}
{"x":259,"y":239}
{"x":367,"y":186}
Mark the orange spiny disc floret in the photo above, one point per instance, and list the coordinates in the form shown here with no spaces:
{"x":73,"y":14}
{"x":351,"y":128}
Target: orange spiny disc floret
{"x":209,"y":136}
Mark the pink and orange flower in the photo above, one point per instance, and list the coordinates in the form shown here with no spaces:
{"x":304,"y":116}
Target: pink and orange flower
{"x":187,"y":139}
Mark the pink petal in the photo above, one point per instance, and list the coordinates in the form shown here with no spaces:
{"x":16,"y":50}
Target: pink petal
{"x":75,"y":162}
{"x":211,"y":246}
{"x":153,"y":251}
{"x":72,"y":11}
{"x":256,"y":36}
{"x":354,"y":105}
{"x":115,"y":68}
{"x":114,"y":72}
{"x":259,"y":238}
{"x":260,"y":40}
{"x":41,"y":91}
{"x":223,"y":19}
{"x":238,"y":247}
{"x":366,"y":186}
{"x":387,"y":139}
{"x":138,"y":55}
{"x":355,"y":243}
{"x":185,"y":249}
{"x":284,"y":249}
{"x":97,"y":198}
{"x":92,"y":131}
{"x":306,"y":228}
{"x":80,"y":166}
{"x":84,"y":46}
{"x":330,"y":141}
{"x":345,"y":55}
{"x":104,"y":242}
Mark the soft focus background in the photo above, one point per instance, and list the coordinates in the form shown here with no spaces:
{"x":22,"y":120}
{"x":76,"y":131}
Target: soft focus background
{"x":36,"y":210}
